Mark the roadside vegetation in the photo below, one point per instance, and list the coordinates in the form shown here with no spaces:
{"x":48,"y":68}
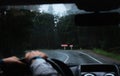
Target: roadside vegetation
{"x":107,"y":53}
{"x":22,"y":29}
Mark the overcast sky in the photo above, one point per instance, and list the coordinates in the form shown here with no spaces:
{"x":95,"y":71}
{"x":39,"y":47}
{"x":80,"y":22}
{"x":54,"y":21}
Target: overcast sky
{"x":59,"y":9}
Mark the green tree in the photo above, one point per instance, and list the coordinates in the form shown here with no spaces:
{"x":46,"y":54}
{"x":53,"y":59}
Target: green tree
{"x":43,"y":31}
{"x":67,"y":30}
{"x":15,"y":28}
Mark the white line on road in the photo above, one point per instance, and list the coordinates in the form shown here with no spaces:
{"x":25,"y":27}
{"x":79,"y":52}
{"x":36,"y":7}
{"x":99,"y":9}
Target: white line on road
{"x":67,"y":57}
{"x":91,"y":57}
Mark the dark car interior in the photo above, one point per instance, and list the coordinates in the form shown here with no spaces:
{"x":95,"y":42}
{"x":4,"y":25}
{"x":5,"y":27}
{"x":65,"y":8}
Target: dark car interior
{"x":93,"y":19}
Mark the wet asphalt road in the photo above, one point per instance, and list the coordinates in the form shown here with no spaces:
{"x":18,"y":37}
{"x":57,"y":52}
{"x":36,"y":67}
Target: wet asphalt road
{"x":75,"y":57}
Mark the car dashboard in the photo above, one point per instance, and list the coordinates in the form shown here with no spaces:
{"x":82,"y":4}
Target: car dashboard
{"x":77,"y":70}
{"x":96,"y":70}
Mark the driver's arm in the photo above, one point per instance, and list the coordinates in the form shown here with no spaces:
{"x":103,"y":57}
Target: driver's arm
{"x":12,"y":59}
{"x":39,"y":66}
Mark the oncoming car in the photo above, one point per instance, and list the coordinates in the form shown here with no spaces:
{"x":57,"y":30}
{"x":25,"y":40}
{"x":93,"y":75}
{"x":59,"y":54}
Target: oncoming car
{"x":81,"y":38}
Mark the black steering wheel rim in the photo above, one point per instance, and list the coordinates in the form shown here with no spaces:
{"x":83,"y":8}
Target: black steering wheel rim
{"x":60,"y":67}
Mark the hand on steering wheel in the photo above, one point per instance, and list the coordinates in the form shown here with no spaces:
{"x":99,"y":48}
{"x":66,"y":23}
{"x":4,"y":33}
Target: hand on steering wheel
{"x":56,"y":64}
{"x":28,"y":56}
{"x":35,"y":53}
{"x":12,"y":59}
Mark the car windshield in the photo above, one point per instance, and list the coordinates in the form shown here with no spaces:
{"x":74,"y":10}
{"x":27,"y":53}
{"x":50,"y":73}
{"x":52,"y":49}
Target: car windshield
{"x":52,"y":28}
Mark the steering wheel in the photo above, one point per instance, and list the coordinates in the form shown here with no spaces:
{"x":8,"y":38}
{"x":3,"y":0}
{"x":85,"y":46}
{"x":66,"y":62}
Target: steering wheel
{"x":61,"y":67}
{"x":17,"y":69}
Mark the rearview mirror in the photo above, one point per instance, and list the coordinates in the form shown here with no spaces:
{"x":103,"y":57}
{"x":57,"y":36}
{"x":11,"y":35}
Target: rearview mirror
{"x":97,"y":19}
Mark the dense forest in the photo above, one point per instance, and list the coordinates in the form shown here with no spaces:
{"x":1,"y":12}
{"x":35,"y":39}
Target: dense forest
{"x":22,"y":29}
{"x":104,"y":37}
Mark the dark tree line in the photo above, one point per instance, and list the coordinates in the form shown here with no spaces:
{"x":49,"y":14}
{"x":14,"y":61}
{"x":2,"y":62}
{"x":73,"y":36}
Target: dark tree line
{"x":103,"y":37}
{"x":67,"y":31}
{"x":14,"y":29}
{"x":43,"y":31}
{"x":22,"y":30}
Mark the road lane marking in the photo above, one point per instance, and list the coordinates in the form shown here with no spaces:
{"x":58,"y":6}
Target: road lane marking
{"x":67,"y":57}
{"x":91,"y":57}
